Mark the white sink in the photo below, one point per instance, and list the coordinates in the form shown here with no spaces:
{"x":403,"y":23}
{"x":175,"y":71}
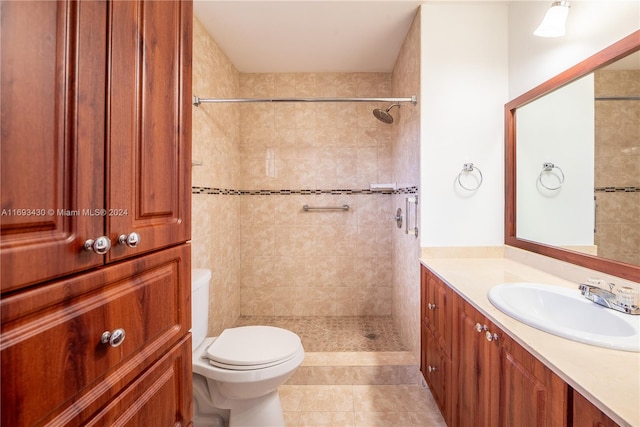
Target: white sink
{"x":566,"y":313}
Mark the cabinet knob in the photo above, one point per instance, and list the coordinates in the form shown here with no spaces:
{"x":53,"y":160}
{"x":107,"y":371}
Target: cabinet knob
{"x":114,"y":339}
{"x":480,"y":328}
{"x":491,"y":337}
{"x":431,"y":306}
{"x":431,"y":368}
{"x":132,"y":239}
{"x":101,"y":245}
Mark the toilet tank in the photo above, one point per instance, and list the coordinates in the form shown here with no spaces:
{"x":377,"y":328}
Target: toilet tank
{"x":200,"y":278}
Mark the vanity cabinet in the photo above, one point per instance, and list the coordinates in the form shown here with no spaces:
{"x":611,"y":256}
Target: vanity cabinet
{"x":499,"y":382}
{"x":585,"y":414}
{"x":437,"y":340}
{"x":493,"y":381}
{"x":96,"y":139}
{"x":477,"y":367}
{"x":96,"y":144}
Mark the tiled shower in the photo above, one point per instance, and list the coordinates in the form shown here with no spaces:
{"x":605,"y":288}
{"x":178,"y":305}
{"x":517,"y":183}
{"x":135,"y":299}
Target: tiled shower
{"x":257,"y":164}
{"x":617,"y":165}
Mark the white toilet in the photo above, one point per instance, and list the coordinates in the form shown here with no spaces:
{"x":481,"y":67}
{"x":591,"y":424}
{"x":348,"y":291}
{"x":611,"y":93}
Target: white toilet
{"x":236,"y":374}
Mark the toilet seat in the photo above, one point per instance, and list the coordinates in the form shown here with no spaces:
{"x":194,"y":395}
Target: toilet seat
{"x":249,"y":367}
{"x":252,"y":347}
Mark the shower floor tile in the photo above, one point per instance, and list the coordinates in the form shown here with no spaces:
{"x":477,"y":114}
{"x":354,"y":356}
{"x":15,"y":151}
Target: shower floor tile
{"x":336,"y":333}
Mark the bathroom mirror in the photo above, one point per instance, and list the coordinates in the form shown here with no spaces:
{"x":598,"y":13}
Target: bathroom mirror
{"x":551,"y":171}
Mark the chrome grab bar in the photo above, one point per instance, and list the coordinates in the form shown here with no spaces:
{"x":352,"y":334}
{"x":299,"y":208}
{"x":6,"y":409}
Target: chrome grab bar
{"x":414,"y":230}
{"x":308,"y":208}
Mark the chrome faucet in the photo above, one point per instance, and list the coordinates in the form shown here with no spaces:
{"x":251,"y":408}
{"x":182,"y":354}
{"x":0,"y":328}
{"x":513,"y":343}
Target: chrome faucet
{"x":607,"y":298}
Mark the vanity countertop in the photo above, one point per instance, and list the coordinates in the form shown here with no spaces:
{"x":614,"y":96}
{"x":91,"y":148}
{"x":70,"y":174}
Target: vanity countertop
{"x":610,"y":379}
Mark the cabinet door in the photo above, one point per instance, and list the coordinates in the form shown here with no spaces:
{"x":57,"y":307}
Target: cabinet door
{"x":53,"y":57}
{"x":149,"y":124}
{"x":54,"y":365}
{"x":530,"y":394}
{"x":585,"y":414}
{"x":474,"y":365}
{"x":162,"y":396}
{"x":436,"y":368}
{"x":440,"y":312}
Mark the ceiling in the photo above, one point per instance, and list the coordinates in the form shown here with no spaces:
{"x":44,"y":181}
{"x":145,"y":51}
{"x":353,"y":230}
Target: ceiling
{"x":308,"y":36}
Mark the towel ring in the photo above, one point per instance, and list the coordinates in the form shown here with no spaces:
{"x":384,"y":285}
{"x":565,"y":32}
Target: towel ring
{"x":468,"y":168}
{"x":548,"y":167}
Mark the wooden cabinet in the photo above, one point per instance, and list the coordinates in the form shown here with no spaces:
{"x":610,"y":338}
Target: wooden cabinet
{"x":500,"y":383}
{"x":476,"y":368}
{"x":491,"y":380}
{"x":54,"y":365}
{"x":585,"y":414}
{"x":530,"y":393}
{"x":436,"y":367}
{"x":438,"y":310}
{"x":437,"y":339}
{"x":149,"y":124}
{"x":96,"y":142}
{"x":95,"y":133}
{"x":156,"y":398}
{"x":52,"y":63}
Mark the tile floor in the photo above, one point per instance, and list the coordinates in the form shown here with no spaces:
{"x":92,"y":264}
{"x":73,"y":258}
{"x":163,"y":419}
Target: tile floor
{"x":359,"y":406}
{"x":336,"y":333}
{"x":351,"y":405}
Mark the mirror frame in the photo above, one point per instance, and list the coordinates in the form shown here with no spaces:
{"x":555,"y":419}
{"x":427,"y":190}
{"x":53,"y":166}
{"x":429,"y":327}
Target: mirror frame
{"x":624,"y":47}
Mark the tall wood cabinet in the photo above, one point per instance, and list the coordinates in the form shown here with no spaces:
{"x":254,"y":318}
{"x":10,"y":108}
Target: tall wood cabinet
{"x":95,"y":174}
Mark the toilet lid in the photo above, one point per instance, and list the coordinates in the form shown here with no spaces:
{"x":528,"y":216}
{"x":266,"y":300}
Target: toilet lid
{"x":253,"y":346}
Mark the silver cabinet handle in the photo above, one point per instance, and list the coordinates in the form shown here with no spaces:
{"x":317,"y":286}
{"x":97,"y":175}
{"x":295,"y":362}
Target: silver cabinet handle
{"x":101,"y":245}
{"x":114,"y":339}
{"x":491,"y":337}
{"x":431,"y":368}
{"x":480,"y":328}
{"x":431,"y":306}
{"x":132,"y":239}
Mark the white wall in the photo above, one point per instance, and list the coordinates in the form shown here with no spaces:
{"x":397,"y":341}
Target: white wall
{"x":463,"y":92}
{"x":475,"y":58}
{"x":557,"y":128}
{"x":591,"y":26}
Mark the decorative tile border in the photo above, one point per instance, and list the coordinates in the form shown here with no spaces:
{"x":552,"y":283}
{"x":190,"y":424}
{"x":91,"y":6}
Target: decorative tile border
{"x":225,"y":191}
{"x":617,"y":189}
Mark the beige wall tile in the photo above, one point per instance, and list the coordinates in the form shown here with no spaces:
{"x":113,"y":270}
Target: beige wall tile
{"x":405,"y":152}
{"x":617,"y":164}
{"x":216,"y":131}
{"x":267,"y":254}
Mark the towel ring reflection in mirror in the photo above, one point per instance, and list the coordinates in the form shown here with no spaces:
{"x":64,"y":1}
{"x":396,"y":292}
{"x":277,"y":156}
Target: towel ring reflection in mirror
{"x":547,"y":169}
{"x":468,"y":168}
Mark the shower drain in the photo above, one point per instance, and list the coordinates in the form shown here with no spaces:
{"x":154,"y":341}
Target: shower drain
{"x":371,"y":336}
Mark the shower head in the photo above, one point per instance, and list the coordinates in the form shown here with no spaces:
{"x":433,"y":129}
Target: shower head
{"x":383,"y":115}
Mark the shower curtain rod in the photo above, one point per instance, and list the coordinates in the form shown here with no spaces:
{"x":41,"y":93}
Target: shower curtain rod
{"x":197,"y":101}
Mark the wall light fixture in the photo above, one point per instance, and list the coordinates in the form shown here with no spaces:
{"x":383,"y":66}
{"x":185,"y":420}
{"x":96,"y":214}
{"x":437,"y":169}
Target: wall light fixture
{"x":553,"y":23}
